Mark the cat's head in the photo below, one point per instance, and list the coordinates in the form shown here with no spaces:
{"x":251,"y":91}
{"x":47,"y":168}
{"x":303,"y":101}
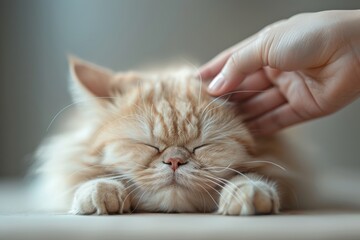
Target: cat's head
{"x":161,"y":130}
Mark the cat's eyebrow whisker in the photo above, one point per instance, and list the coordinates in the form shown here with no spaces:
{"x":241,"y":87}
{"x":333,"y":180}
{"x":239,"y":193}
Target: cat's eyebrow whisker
{"x":214,"y":100}
{"x":143,"y":101}
{"x":73,"y":104}
{"x":229,"y":94}
{"x":198,"y":74}
{"x":200,"y":89}
{"x":220,"y":105}
{"x":188,"y":121}
{"x":89,"y":100}
{"x":142,"y":111}
{"x":59,"y":112}
{"x":140,"y":92}
{"x":243,"y":91}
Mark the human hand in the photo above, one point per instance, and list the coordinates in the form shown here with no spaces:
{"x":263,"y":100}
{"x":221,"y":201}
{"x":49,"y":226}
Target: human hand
{"x":292,"y":71}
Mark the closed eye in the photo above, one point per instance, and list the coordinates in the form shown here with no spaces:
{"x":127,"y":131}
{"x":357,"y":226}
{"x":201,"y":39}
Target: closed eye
{"x":198,"y":147}
{"x":154,"y":147}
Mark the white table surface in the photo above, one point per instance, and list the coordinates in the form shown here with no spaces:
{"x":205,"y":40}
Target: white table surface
{"x":19,"y":221}
{"x":306,"y":225}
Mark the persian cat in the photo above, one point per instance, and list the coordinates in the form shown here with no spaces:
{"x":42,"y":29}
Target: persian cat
{"x":157,"y":142}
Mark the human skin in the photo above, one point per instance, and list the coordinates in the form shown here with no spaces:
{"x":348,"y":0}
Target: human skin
{"x":291,"y":71}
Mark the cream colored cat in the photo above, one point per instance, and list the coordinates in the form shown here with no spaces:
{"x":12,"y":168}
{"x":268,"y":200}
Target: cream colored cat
{"x":157,"y":142}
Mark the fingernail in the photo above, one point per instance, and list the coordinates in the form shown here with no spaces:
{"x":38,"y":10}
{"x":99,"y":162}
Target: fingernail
{"x":217,"y":83}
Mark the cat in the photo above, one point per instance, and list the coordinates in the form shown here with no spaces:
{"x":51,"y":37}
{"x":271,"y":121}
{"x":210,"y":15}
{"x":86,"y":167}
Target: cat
{"x":157,"y":142}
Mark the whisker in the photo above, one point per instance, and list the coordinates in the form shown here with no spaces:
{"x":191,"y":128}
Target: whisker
{"x":198,"y":74}
{"x":263,"y":161}
{"x":203,"y":200}
{"x":210,"y":104}
{"x":200,"y":90}
{"x":222,"y":186}
{"x":71,"y":105}
{"x":244,"y":175}
{"x":137,"y":204}
{"x":188,"y":121}
{"x":220,"y":105}
{"x":144,"y":112}
{"x":122,"y":206}
{"x":230,"y":94}
{"x":211,"y":187}
{"x":208,"y":194}
{"x":244,"y":91}
{"x":230,"y":169}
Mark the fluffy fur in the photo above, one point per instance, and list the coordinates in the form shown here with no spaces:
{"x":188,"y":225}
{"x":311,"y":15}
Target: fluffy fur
{"x":115,"y":158}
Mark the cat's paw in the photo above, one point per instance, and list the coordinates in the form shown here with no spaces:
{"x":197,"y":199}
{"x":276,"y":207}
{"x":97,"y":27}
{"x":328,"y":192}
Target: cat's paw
{"x":246,"y":197}
{"x":100,"y":197}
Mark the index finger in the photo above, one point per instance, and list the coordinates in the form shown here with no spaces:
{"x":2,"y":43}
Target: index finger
{"x":244,"y":61}
{"x":214,"y":66}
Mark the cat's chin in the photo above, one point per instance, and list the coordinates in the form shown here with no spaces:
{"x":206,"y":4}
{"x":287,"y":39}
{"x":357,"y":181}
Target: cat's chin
{"x":173,"y":185}
{"x":175,"y":181}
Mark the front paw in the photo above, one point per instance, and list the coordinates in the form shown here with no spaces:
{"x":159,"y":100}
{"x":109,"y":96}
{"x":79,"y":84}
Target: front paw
{"x":245,"y":197}
{"x":101,"y":197}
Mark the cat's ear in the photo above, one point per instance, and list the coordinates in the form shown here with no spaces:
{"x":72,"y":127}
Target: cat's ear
{"x":89,"y":81}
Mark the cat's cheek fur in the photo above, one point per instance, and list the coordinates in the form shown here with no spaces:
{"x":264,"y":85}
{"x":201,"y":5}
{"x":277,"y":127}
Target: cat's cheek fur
{"x":248,"y":195}
{"x":101,"y":196}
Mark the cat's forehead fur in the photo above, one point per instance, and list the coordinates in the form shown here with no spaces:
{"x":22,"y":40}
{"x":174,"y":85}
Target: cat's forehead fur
{"x":172,"y":102}
{"x":171,"y":107}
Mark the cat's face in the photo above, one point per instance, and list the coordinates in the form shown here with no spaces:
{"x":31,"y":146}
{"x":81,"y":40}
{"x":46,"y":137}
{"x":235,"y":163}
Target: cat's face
{"x":161,"y":131}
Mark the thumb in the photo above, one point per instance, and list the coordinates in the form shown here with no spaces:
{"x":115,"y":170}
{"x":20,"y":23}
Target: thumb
{"x":242,"y":62}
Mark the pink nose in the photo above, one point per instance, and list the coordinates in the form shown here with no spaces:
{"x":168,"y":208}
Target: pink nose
{"x":175,"y":162}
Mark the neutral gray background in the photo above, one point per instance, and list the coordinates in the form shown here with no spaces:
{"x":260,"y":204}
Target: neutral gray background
{"x":36,"y":35}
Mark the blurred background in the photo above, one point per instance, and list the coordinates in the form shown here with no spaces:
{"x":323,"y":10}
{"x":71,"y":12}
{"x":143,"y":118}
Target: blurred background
{"x":36,"y":36}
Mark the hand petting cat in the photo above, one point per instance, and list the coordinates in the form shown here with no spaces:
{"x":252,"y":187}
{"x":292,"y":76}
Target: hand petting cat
{"x":291,"y":71}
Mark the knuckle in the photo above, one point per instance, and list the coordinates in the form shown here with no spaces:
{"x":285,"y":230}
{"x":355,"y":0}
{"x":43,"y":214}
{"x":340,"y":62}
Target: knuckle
{"x":265,"y":46}
{"x":233,"y":60}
